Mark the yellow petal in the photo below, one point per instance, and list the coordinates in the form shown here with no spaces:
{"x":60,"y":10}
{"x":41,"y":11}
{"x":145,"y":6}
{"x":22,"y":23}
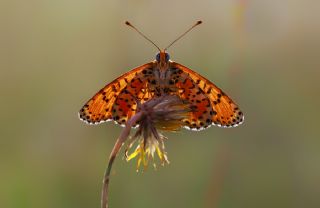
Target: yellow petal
{"x":134,"y":154}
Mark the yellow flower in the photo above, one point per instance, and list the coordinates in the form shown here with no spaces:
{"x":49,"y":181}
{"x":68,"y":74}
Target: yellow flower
{"x":145,"y":152}
{"x":165,"y":113}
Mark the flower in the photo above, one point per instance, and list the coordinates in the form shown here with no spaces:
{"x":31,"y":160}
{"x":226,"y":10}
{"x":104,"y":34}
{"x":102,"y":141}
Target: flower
{"x":164,"y":113}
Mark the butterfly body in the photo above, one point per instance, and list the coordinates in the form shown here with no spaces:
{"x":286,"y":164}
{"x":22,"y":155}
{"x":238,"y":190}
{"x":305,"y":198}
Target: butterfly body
{"x":118,"y":100}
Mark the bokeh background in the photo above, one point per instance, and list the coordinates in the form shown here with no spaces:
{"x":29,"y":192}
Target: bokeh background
{"x":55,"y":55}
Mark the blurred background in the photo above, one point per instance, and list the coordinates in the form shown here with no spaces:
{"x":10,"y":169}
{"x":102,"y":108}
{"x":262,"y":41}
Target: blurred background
{"x":55,"y":55}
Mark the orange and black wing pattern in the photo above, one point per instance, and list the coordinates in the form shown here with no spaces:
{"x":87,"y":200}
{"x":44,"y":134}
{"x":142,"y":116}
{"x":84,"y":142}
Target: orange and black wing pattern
{"x":117,"y":100}
{"x":210,"y":105}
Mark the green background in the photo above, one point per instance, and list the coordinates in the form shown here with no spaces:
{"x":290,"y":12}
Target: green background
{"x":55,"y":55}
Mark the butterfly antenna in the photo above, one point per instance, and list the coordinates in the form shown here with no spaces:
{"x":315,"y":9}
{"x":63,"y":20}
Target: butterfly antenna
{"x":130,"y":25}
{"x":193,"y":26}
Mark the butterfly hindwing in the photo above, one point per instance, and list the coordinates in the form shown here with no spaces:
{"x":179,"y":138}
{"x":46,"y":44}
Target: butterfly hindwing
{"x":117,"y":100}
{"x":209,"y":103}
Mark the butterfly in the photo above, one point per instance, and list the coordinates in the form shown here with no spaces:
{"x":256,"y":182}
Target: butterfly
{"x":118,"y":100}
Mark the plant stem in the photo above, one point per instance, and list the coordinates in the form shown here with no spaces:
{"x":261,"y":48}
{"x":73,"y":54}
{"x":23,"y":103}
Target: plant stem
{"x":116,"y":148}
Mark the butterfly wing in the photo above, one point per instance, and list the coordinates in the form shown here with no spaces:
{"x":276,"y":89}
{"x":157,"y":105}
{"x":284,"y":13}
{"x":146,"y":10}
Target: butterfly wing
{"x":117,"y":100}
{"x":209,"y":103}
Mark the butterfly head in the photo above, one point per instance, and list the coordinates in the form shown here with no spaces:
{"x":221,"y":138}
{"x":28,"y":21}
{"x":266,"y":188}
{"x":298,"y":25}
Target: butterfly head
{"x":163,"y":57}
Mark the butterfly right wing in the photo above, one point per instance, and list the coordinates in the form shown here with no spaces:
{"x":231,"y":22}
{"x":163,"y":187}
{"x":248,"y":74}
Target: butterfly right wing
{"x":106,"y":104}
{"x":211,"y":105}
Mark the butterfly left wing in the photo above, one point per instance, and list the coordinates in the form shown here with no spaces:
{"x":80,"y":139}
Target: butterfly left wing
{"x":209,"y":103}
{"x":117,"y":99}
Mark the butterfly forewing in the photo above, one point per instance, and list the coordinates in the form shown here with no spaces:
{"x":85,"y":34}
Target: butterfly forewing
{"x":117,"y":100}
{"x":210,"y":104}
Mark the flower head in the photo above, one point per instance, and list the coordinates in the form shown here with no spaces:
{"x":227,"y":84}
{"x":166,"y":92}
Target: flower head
{"x":164,"y":113}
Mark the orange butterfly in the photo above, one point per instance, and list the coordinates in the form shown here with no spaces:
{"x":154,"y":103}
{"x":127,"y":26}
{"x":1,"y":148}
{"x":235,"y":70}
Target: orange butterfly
{"x":118,"y":100}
